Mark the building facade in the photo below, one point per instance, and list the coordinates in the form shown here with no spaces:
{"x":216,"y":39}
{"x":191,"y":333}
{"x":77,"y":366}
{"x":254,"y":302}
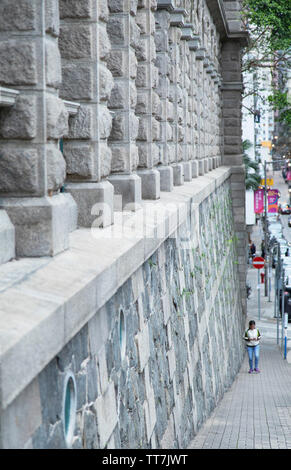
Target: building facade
{"x":114,"y":114}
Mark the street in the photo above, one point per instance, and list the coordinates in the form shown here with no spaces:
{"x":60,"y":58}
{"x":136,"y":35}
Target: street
{"x":255,"y":413}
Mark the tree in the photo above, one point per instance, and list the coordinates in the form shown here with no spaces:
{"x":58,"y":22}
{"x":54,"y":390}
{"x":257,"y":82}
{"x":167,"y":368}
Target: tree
{"x":272,"y":20}
{"x":279,"y":101}
{"x":252,"y":178}
{"x":269,"y":23}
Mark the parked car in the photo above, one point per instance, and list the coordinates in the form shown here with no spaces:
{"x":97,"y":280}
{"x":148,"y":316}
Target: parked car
{"x":284,"y":208}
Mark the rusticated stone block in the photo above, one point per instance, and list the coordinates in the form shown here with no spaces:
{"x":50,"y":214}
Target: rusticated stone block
{"x":56,"y":168}
{"x":115,"y":63}
{"x":57,"y":118}
{"x":76,"y":82}
{"x":106,"y":414}
{"x":18,"y":62}
{"x":103,"y":10}
{"x":104,"y":43}
{"x":75,"y":41}
{"x":79,"y":160}
{"x":18,"y":171}
{"x":119,"y":156}
{"x":7,"y":238}
{"x":144,"y":129}
{"x":118,"y":98}
{"x":19,"y":121}
{"x":117,"y":6}
{"x":132,"y":95}
{"x":80,"y":126}
{"x":52,"y":17}
{"x":143,"y":104}
{"x":105,"y":123}
{"x":17,"y":16}
{"x":75,"y":8}
{"x":134,"y":34}
{"x":118,"y":131}
{"x":105,"y":156}
{"x":41,"y":224}
{"x":106,"y":83}
{"x":53,"y":64}
{"x":116,"y":29}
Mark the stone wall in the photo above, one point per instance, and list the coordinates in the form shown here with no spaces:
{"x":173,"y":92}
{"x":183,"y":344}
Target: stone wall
{"x":145,"y":80}
{"x":108,"y":109}
{"x":153,"y":362}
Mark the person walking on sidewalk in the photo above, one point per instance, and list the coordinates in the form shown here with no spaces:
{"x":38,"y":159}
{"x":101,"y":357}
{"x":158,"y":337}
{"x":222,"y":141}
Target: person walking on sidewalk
{"x":252,"y":338}
{"x":253,"y":250}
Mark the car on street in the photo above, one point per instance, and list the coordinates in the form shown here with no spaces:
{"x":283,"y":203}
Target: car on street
{"x":289,"y":221}
{"x":284,"y":208}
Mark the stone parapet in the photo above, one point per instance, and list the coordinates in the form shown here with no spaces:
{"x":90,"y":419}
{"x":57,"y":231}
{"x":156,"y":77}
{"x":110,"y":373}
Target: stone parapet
{"x":106,"y":287}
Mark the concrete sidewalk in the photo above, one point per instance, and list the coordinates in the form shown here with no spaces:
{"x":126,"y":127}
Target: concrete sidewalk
{"x":256,"y":412}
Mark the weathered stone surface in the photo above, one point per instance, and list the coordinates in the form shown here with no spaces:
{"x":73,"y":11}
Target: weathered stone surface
{"x":115,"y":62}
{"x":103,"y":10}
{"x":19,"y":121}
{"x":76,"y":82}
{"x":81,"y":125}
{"x":79,"y":160}
{"x":129,"y":188}
{"x":105,"y":123}
{"x":19,"y":170}
{"x":105,"y":157}
{"x":56,"y":168}
{"x":106,"y":414}
{"x":104,"y":44}
{"x":52,"y":17}
{"x":7,"y":238}
{"x":105,"y":83}
{"x":94,"y":201}
{"x":150,"y":184}
{"x":75,"y":41}
{"x":51,"y":217}
{"x":18,"y":62}
{"x":116,"y":28}
{"x":53,"y":64}
{"x":75,"y":8}
{"x":57,"y":118}
{"x":18,"y":16}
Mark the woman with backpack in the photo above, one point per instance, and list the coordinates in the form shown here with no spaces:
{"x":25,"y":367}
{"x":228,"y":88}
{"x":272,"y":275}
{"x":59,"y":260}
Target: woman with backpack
{"x":252,"y":338}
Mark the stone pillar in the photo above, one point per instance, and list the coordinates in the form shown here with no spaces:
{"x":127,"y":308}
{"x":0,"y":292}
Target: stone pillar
{"x":124,"y":36}
{"x":200,"y":55}
{"x":162,"y":16}
{"x":194,"y":44}
{"x":176,"y":21}
{"x":231,"y":91}
{"x":148,"y":102}
{"x":186,"y":97}
{"x":32,"y":168}
{"x":84,"y":47}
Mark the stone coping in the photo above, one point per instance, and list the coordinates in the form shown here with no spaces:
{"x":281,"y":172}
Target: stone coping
{"x":48,"y":305}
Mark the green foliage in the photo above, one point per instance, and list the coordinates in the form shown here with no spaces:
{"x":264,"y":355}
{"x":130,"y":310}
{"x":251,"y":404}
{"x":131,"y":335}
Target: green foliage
{"x":273,"y":18}
{"x":280,"y":102}
{"x":252,"y":179}
{"x":269,"y":24}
